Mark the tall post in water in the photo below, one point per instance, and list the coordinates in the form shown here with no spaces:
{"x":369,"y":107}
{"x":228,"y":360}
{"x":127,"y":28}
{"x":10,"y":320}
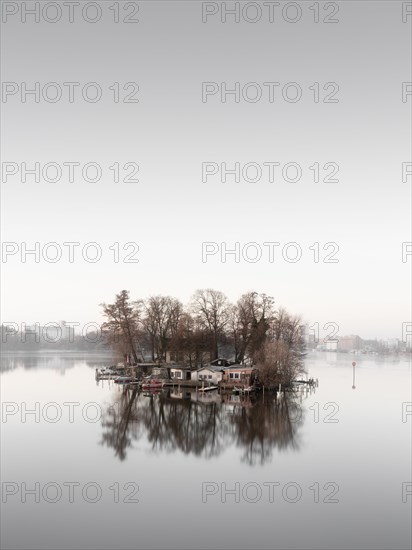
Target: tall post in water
{"x":353,"y":375}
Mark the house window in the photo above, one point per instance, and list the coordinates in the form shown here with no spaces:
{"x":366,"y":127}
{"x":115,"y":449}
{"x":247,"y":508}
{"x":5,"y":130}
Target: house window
{"x":210,"y":377}
{"x":178,"y":374}
{"x":234,"y":375}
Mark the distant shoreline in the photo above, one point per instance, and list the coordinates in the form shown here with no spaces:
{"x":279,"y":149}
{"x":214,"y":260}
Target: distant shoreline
{"x":56,"y":352}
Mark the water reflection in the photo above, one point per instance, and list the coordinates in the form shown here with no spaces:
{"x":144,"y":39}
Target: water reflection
{"x":59,"y":362}
{"x":204,"y":425}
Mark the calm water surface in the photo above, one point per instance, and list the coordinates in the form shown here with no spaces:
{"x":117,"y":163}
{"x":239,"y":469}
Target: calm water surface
{"x":96,"y":466}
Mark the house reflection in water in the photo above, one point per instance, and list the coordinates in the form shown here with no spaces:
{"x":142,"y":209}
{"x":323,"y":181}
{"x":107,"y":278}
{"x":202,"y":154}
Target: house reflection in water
{"x":203,"y":423}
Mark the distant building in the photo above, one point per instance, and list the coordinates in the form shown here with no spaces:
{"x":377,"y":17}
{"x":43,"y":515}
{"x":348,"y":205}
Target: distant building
{"x":59,"y":330}
{"x":50,"y":333}
{"x":308,"y":335}
{"x":331,"y":344}
{"x":350,"y":343}
{"x":391,"y":344}
{"x":370,"y":346}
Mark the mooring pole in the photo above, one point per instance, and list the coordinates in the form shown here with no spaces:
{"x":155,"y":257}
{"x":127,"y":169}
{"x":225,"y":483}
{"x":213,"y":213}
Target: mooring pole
{"x":353,"y":377}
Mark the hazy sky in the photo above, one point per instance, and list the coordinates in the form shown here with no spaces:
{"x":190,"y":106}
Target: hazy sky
{"x":363,"y":130}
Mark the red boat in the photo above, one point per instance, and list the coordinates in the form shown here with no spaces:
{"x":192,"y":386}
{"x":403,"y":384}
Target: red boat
{"x":153,"y":384}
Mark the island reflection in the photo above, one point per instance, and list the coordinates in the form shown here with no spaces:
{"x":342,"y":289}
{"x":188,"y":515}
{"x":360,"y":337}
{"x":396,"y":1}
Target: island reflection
{"x":205,"y":425}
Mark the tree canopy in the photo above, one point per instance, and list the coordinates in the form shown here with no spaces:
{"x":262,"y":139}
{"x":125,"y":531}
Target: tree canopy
{"x":251,"y":330}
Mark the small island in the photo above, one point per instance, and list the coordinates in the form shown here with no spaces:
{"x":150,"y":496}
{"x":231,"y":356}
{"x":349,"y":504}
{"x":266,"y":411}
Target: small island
{"x":209,"y":344}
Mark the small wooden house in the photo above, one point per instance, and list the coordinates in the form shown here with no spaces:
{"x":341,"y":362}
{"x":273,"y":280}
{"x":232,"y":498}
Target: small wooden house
{"x":238,"y":375}
{"x":210,"y":374}
{"x":180,"y":373}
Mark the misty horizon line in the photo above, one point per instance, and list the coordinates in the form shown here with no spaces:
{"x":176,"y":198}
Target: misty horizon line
{"x":323,"y":331}
{"x":86,"y":327}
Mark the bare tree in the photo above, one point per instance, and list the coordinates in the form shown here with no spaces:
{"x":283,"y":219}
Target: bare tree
{"x":191,"y":342}
{"x":160,"y":321}
{"x":280,"y":360}
{"x":250,"y":320}
{"x":212,"y":309}
{"x":122,"y":325}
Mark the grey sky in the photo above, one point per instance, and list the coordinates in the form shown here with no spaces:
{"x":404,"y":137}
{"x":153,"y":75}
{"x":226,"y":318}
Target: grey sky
{"x":170,"y":132}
